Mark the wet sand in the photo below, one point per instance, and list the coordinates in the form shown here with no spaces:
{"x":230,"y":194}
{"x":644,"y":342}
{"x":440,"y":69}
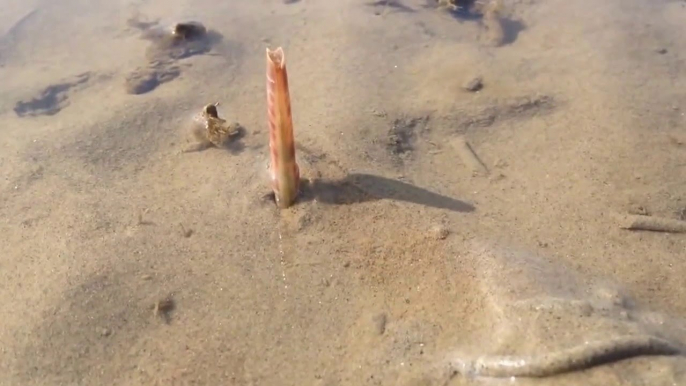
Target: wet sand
{"x":127,"y":261}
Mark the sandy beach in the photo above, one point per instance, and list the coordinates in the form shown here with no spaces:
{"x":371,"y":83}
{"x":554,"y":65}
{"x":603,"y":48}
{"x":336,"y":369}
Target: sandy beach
{"x":472,"y":177}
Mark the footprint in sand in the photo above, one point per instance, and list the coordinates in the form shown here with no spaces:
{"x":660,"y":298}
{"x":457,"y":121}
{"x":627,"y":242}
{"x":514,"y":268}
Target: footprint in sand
{"x":52,"y":99}
{"x":168,"y":46}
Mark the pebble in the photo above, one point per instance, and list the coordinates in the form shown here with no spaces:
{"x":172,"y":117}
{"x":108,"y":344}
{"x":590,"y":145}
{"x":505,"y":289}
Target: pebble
{"x":164,"y":306}
{"x":380,"y":321}
{"x":475,"y":84}
{"x":439,"y":232}
{"x":379,"y":113}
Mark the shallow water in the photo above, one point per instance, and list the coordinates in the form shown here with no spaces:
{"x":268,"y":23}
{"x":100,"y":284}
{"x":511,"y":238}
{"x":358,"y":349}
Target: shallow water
{"x":411,"y":259}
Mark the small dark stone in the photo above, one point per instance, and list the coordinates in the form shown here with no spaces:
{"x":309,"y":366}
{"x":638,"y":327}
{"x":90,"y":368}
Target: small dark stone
{"x":474,"y":85}
{"x":380,"y":321}
{"x":439,"y":232}
{"x":164,"y":307}
{"x":661,"y":51}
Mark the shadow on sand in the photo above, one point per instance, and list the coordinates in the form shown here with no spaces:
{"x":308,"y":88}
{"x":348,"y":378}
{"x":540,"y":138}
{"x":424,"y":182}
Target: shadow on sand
{"x":357,"y":188}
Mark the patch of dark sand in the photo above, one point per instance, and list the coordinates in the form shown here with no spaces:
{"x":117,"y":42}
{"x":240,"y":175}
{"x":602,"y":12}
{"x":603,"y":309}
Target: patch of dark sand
{"x":145,"y":79}
{"x":403,"y":134}
{"x":462,"y":120}
{"x":498,"y":29}
{"x":52,"y":99}
{"x":167,"y":47}
{"x":459,"y":9}
{"x":180,"y":42}
{"x":382,"y":7}
{"x":544,"y":320}
{"x":510,"y":31}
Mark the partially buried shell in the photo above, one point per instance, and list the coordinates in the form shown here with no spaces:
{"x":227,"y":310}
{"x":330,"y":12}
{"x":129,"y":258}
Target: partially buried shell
{"x":189,"y":30}
{"x":181,"y":41}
